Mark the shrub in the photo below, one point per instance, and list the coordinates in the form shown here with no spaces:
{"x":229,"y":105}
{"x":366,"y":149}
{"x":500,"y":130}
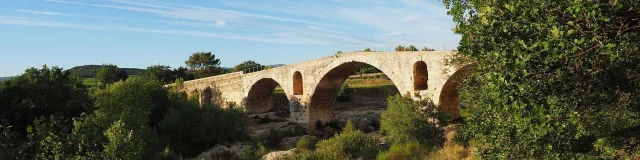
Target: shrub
{"x":190,"y":130}
{"x":407,"y":151}
{"x":350,"y":143}
{"x":255,"y":152}
{"x":404,"y":121}
{"x":344,"y":95}
{"x":306,"y":143}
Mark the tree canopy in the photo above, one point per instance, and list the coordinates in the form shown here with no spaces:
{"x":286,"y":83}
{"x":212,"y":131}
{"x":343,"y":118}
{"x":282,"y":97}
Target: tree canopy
{"x":245,"y":65}
{"x":109,"y":74}
{"x":42,"y":92}
{"x":90,"y":71}
{"x":554,"y":79}
{"x":204,"y":64}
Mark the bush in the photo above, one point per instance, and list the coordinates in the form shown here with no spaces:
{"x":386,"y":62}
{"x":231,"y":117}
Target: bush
{"x":350,"y":143}
{"x":404,"y":121}
{"x":255,"y":152}
{"x":190,"y":130}
{"x":121,"y":125}
{"x":344,"y":95}
{"x":408,"y":151}
{"x":306,"y":143}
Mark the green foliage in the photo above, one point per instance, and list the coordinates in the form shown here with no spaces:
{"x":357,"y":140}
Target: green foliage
{"x":427,"y":49}
{"x":306,"y":143}
{"x":256,"y":152}
{"x":51,"y":138}
{"x":203,"y":64}
{"x":90,"y":71}
{"x":400,"y":48}
{"x":184,"y":73}
{"x":411,"y":48}
{"x":349,"y":144}
{"x":162,"y":73}
{"x":109,"y":74}
{"x":125,"y":141}
{"x":367,"y":49}
{"x":349,"y":127}
{"x":344,"y":95}
{"x":554,"y":79}
{"x":246,"y":65}
{"x":407,"y":151}
{"x":190,"y":130}
{"x":367,"y":69}
{"x":124,"y":114}
{"x":41,"y":92}
{"x":406,"y":120}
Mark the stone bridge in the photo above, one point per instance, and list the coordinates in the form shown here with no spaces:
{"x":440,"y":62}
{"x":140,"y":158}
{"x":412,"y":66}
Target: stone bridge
{"x":312,"y":86}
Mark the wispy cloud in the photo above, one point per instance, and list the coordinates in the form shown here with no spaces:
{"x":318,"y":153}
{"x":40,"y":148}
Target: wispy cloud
{"x":40,"y":12}
{"x":284,"y":38}
{"x":336,"y":22}
{"x":191,"y":12}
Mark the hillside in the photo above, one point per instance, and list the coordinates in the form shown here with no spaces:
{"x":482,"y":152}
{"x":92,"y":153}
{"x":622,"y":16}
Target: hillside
{"x":5,"y":78}
{"x":90,"y":71}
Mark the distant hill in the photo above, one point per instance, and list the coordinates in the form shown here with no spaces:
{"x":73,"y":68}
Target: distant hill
{"x":90,"y":71}
{"x":6,"y":78}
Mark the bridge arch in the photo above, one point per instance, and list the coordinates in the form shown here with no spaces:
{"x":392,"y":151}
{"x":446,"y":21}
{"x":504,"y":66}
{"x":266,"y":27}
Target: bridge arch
{"x":298,"y":88}
{"x":420,"y":76}
{"x":259,"y":98}
{"x":322,"y":100}
{"x":449,"y":100}
{"x":206,"y":96}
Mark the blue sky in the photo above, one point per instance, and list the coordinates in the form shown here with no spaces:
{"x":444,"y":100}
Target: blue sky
{"x":139,"y":33}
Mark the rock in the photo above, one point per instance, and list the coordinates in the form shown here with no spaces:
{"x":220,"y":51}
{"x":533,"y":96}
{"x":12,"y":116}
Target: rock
{"x":276,"y":155}
{"x":363,"y":124}
{"x":292,"y":141}
{"x":218,"y":152}
{"x":238,"y":149}
{"x":292,"y":129}
{"x":329,"y":132}
{"x":370,"y":129}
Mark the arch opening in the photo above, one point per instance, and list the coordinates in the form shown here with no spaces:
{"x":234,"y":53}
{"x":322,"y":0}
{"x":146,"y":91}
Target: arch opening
{"x":205,"y":98}
{"x":323,"y":102}
{"x":266,"y":95}
{"x":297,"y":83}
{"x":420,"y":76}
{"x":449,"y":100}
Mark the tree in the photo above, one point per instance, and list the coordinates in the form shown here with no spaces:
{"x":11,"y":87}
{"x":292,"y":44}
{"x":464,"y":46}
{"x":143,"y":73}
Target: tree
{"x":404,"y":121}
{"x":427,"y":49}
{"x":411,"y":48}
{"x":245,"y":65}
{"x":161,"y":72}
{"x":183,"y":72}
{"x":367,"y":49}
{"x":190,"y":130}
{"x":34,"y":94}
{"x":399,"y":48}
{"x":554,"y":79}
{"x":121,"y":127}
{"x":344,"y":94}
{"x":109,"y":74}
{"x":204,"y":64}
{"x":42,"y":92}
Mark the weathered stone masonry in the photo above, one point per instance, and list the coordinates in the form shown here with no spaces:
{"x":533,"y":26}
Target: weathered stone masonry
{"x":312,"y":86}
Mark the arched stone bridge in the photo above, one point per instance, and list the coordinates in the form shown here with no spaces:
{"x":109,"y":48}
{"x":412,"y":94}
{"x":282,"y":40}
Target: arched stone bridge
{"x":312,"y":86}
